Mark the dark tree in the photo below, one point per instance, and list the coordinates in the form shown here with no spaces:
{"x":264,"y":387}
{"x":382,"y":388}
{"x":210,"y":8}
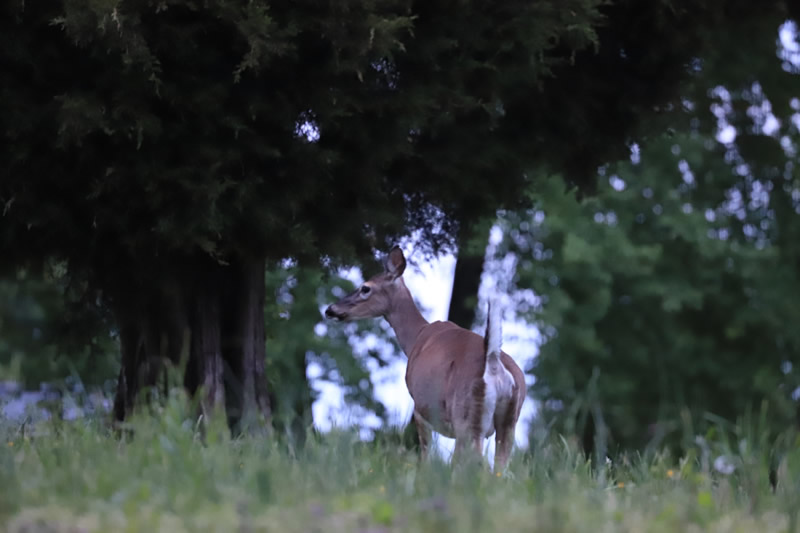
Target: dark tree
{"x":166,"y":150}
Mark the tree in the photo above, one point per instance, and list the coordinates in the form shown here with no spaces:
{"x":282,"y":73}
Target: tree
{"x":167,"y":150}
{"x":48,"y":334}
{"x":298,"y":337}
{"x":670,"y":292}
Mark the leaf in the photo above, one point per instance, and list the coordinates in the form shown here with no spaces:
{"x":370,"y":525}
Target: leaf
{"x":705,"y":500}
{"x":383,"y":513}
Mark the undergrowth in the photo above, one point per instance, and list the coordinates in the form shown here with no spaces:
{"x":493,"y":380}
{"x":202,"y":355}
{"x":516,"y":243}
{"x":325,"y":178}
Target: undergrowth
{"x":165,"y":471}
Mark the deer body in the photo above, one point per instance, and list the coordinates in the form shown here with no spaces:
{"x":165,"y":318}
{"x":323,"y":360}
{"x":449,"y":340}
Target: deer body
{"x":462,"y":384}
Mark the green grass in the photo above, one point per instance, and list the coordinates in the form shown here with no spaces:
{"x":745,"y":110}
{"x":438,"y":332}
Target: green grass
{"x":177,"y":475}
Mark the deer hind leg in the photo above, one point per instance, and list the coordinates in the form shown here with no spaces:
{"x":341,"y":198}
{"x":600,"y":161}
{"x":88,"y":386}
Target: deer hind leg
{"x":504,"y":440}
{"x":474,"y":421}
{"x":504,"y":423}
{"x":425,"y":434}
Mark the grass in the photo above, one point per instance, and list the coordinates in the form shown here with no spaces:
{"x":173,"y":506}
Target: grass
{"x":177,"y":475}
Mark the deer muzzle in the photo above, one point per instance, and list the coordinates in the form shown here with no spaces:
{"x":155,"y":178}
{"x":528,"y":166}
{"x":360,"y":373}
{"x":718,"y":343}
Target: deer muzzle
{"x":330,"y":312}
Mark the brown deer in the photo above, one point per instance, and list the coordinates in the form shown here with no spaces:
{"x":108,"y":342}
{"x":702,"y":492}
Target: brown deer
{"x":463,"y":386}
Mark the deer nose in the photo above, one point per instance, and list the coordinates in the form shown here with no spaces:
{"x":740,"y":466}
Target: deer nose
{"x":330,"y":313}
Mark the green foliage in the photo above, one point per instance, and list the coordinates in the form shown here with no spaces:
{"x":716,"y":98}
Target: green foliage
{"x":48,"y":332}
{"x":297,"y":336}
{"x":651,"y":304}
{"x":133,"y":131}
{"x":148,"y":145}
{"x":44,"y":340}
{"x":668,"y":297}
{"x":176,"y":475}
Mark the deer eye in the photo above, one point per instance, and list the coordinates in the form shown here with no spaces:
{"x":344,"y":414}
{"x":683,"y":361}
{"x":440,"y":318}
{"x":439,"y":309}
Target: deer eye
{"x":365,"y":290}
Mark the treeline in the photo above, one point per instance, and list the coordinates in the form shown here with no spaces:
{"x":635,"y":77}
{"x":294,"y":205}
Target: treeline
{"x":158,"y":160}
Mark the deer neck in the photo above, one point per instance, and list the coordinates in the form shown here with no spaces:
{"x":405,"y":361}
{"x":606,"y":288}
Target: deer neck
{"x":405,"y":318}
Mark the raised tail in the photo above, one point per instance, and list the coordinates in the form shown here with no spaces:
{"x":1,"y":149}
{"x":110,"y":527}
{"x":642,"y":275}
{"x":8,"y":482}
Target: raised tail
{"x":493,"y":340}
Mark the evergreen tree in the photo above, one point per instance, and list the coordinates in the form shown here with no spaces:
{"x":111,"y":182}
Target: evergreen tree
{"x":167,"y":150}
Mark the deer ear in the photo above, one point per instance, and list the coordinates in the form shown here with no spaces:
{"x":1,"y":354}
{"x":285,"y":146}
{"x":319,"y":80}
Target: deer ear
{"x":395,"y":263}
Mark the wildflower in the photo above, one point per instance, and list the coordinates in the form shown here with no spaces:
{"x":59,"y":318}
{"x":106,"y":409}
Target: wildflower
{"x":670,"y":473}
{"x":10,"y":443}
{"x":382,"y":489}
{"x":498,"y":474}
{"x":724,"y":465}
{"x":620,"y":485}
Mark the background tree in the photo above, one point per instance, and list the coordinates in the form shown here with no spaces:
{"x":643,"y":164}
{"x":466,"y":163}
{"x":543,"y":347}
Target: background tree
{"x":299,"y":337}
{"x":48,"y":333}
{"x":166,"y":151}
{"x":666,"y":298}
{"x":648,"y":308}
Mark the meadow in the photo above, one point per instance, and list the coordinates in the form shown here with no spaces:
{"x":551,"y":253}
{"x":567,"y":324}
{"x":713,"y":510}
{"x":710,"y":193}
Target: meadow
{"x":166,"y":471}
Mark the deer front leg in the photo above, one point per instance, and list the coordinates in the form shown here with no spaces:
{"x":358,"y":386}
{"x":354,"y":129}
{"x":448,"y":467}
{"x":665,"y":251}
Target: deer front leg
{"x":468,"y":450}
{"x":425,"y":433}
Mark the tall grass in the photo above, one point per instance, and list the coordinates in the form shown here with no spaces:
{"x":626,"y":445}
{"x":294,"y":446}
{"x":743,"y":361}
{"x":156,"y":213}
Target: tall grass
{"x":168,"y":472}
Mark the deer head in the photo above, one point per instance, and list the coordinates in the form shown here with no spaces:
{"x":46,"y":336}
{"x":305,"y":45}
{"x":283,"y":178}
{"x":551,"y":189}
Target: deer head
{"x":374,"y":297}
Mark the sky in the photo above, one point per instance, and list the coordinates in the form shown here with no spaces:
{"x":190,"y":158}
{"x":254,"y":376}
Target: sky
{"x":430,"y":282}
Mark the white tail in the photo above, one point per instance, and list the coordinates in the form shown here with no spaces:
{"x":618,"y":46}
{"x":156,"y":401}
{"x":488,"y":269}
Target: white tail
{"x":463,"y":385}
{"x":494,"y":331}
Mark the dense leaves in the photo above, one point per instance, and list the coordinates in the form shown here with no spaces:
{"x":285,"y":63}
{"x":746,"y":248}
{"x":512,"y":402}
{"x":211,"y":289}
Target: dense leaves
{"x":166,"y":151}
{"x":300,"y":340}
{"x":666,"y":301}
{"x":48,"y":332}
{"x":295,"y":129}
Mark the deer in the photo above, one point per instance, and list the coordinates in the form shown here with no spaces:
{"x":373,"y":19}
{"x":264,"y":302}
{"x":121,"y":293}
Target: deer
{"x":463,"y":385}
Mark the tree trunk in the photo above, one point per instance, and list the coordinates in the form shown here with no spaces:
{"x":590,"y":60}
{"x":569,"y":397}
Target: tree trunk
{"x":205,"y":355}
{"x":151,"y":326}
{"x":220,"y":309}
{"x":245,"y":348}
{"x":466,"y":282}
{"x":467,"y":277}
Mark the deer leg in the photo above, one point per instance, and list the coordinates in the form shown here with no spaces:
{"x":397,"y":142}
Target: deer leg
{"x":504,"y":435}
{"x":477,"y":444}
{"x":504,"y":440}
{"x":469,"y":444}
{"x":462,"y":444}
{"x":468,"y":429}
{"x":425,"y":434}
